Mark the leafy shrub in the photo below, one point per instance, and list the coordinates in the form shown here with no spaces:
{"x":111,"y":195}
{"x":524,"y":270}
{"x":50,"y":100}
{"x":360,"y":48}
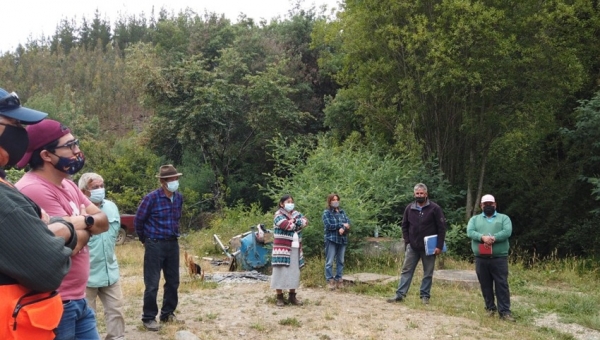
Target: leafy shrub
{"x":374,"y":187}
{"x":459,"y":245}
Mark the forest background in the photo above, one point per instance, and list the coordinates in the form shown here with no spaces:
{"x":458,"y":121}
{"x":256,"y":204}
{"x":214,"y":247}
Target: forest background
{"x":468,"y":97}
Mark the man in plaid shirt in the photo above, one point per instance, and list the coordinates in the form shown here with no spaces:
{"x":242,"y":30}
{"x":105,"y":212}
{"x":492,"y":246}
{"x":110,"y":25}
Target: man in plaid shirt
{"x":157,"y":226}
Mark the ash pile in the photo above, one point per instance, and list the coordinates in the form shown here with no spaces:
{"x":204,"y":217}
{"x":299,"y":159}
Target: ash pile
{"x":237,"y":277}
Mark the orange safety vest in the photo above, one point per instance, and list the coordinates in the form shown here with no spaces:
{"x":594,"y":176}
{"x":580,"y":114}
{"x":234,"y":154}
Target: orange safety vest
{"x":26,"y":315}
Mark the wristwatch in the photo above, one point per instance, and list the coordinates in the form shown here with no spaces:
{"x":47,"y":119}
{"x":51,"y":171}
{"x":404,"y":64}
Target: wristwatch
{"x":89,"y":222}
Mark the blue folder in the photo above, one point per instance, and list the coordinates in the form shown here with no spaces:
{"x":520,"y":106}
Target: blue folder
{"x":431,"y":243}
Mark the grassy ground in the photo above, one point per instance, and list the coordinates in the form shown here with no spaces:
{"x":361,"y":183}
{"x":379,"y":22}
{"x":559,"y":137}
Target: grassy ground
{"x":568,"y":288}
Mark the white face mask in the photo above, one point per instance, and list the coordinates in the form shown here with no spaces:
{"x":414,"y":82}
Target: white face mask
{"x":173,"y":186}
{"x":289,"y":207}
{"x":335,"y":204}
{"x":97,"y":195}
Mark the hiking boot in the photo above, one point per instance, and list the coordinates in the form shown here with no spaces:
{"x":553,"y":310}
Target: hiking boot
{"x":331,"y":284}
{"x":425,"y":300}
{"x":295,"y":301}
{"x":280,"y":302}
{"x":508,"y":317}
{"x":339,"y":284}
{"x":151,"y":325}
{"x":395,"y":299}
{"x":491,"y":313}
{"x":172,"y":319}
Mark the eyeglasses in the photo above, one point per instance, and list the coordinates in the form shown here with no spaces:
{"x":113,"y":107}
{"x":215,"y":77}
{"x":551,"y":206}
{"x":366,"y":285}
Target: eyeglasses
{"x":10,"y":102}
{"x":70,"y":144}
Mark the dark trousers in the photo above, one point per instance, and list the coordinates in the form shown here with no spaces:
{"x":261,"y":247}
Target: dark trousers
{"x":492,"y":274}
{"x":160,"y":255}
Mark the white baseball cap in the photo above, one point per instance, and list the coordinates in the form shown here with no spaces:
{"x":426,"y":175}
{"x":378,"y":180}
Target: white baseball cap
{"x":488,"y":198}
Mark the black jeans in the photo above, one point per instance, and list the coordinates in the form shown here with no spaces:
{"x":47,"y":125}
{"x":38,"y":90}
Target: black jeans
{"x":160,"y":255}
{"x":492,"y":273}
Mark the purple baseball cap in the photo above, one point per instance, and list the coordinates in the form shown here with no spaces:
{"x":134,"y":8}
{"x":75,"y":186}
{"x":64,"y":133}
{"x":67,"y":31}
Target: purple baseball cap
{"x":10,"y":106}
{"x":40,"y":134}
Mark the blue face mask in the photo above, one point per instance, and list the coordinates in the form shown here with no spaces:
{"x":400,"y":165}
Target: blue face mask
{"x":70,"y":165}
{"x":173,"y":186}
{"x":289,"y":207}
{"x":97,"y":195}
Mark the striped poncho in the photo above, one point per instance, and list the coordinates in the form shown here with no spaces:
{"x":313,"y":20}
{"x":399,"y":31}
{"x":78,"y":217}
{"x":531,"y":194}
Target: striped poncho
{"x":283,"y":230}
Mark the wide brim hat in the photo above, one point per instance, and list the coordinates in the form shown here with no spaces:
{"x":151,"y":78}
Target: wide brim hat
{"x":10,"y":106}
{"x":167,"y":171}
{"x":40,"y":134}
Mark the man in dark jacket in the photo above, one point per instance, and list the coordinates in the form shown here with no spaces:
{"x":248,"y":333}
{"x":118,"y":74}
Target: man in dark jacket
{"x":34,"y":256}
{"x":421,"y":218}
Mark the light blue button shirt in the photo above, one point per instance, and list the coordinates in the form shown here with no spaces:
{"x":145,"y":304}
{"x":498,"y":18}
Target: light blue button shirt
{"x":104,"y":269}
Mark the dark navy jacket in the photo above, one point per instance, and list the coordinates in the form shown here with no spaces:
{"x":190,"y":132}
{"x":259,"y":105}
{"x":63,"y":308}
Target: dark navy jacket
{"x":416,"y":224}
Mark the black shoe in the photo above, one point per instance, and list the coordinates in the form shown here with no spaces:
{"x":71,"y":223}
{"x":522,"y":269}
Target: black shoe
{"x":395,"y":299}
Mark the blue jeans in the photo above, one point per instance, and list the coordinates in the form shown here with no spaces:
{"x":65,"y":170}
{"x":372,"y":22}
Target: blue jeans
{"x":411,"y":259}
{"x":334,"y":251}
{"x":160,"y":255}
{"x":78,"y":322}
{"x":493,"y":273}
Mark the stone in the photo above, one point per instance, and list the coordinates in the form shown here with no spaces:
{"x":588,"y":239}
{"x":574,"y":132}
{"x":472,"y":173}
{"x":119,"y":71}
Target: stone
{"x":465,"y":278}
{"x":185,"y":335}
{"x":375,"y":246}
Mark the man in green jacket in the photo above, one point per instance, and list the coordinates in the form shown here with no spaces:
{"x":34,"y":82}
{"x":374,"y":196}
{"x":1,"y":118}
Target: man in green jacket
{"x":489,"y":233}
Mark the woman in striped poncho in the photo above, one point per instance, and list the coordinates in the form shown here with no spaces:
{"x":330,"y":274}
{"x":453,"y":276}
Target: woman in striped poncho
{"x":287,"y":258}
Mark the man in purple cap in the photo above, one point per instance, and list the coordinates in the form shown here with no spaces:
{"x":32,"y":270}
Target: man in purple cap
{"x":34,"y":257}
{"x":157,"y":225}
{"x":53,"y":155}
{"x":489,"y":233}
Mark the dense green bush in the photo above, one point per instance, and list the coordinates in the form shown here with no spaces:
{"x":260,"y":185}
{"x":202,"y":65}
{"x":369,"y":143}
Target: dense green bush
{"x":374,"y":187}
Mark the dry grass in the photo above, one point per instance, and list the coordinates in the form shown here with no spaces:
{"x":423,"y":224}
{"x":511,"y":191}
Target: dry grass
{"x":210,"y":313}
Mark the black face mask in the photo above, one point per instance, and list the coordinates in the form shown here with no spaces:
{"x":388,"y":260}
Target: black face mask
{"x":489,"y":210}
{"x":15,"y":141}
{"x":70,"y":165}
{"x":420,"y":199}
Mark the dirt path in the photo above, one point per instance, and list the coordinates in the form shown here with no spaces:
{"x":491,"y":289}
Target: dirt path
{"x":247,"y":311}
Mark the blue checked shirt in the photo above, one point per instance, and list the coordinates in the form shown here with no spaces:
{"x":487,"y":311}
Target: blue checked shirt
{"x":157,"y":216}
{"x":334,"y":220}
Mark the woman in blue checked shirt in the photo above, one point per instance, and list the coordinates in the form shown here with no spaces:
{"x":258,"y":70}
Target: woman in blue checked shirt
{"x":337,"y":225}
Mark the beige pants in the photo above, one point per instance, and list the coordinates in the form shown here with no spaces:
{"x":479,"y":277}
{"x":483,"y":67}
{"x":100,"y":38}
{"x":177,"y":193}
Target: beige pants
{"x":112,"y":301}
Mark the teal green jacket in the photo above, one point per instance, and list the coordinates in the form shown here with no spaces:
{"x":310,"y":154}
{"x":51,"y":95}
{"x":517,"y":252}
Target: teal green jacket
{"x":104,"y":269}
{"x":498,"y":226}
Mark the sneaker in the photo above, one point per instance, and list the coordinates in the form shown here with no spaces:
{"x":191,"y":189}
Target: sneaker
{"x":508,"y":317}
{"x":172,"y":319}
{"x":151,"y":325}
{"x":395,"y":299}
{"x":425,"y":300}
{"x":331,"y":284}
{"x":491,"y":313}
{"x":339,"y":284}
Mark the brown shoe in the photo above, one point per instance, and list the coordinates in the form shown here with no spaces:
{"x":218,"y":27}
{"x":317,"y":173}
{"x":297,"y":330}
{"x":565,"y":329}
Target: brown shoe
{"x":339,"y":284}
{"x":151,"y":325}
{"x":280,"y":302}
{"x":172,"y":319}
{"x":295,"y":301}
{"x":508,"y":317}
{"x":331,"y":284}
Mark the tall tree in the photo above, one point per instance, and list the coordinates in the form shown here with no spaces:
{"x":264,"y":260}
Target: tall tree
{"x":460,"y":74}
